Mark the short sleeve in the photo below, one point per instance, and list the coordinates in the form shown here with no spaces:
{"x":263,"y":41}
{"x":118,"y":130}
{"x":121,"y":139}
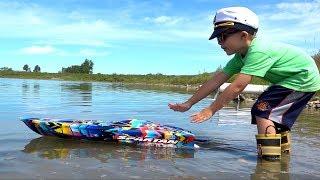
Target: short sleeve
{"x":257,"y":64}
{"x":233,"y":66}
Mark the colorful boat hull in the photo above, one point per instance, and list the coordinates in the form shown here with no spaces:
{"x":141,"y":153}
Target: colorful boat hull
{"x":132,"y":131}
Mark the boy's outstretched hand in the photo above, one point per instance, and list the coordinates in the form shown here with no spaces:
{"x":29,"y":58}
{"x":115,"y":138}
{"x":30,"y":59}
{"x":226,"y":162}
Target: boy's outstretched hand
{"x":202,"y":116}
{"x":180,"y":107}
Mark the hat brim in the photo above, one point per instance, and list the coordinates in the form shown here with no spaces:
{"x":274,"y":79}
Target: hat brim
{"x":216,"y":32}
{"x":241,"y":27}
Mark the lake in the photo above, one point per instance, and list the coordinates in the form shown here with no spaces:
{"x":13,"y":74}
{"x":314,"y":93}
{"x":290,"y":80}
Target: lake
{"x":230,"y":153}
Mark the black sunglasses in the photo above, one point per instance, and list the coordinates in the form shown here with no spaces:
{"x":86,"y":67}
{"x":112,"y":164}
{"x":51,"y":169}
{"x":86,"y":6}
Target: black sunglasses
{"x":224,"y":35}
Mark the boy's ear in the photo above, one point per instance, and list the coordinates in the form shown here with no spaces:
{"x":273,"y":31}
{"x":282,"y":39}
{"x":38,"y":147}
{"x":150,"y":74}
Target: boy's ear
{"x":245,"y":35}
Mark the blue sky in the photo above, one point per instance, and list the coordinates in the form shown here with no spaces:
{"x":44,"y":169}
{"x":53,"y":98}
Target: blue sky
{"x":139,"y":36}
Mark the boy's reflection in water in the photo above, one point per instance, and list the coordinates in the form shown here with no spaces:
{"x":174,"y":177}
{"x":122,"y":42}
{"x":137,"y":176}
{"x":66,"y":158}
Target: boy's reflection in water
{"x":278,"y":169}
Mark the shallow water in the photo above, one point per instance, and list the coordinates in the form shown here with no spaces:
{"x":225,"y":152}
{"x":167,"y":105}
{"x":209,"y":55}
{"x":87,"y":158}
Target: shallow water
{"x":231,"y":152}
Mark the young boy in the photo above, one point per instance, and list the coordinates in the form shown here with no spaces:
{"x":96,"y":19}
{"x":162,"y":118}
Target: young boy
{"x":293,"y":74}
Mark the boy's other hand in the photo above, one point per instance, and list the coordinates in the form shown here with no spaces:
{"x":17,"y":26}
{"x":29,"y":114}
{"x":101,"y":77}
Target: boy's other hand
{"x":202,"y":116}
{"x":180,"y":107}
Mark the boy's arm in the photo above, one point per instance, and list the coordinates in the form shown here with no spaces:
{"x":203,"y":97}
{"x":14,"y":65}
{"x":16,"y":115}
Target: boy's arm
{"x":214,"y":83}
{"x":231,"y":92}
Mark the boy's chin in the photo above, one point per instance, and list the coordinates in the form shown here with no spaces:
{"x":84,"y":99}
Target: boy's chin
{"x":229,"y":53}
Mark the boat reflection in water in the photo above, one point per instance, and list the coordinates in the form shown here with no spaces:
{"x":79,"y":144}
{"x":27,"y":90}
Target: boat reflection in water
{"x":57,"y":148}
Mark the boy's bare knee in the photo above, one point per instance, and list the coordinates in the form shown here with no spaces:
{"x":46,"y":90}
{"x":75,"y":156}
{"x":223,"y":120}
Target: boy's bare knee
{"x":265,"y":126}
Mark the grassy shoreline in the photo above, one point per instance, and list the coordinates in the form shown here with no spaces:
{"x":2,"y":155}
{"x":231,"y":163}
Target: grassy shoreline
{"x":184,"y":80}
{"x":188,"y":82}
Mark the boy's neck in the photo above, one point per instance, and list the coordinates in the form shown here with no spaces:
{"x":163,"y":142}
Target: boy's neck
{"x":244,"y":50}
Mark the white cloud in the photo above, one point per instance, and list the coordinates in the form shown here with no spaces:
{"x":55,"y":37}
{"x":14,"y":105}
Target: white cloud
{"x":87,"y":28}
{"x":294,"y":22}
{"x":163,"y":19}
{"x":298,"y":6}
{"x":302,"y":12}
{"x":93,"y":27}
{"x":166,"y":20}
{"x":36,"y":50}
{"x":284,"y":16}
{"x":76,"y":41}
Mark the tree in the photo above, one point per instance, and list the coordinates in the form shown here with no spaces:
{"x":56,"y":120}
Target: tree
{"x":85,"y":68}
{"x":26,"y":68}
{"x":72,"y":69}
{"x":6,"y":69}
{"x":37,"y":69}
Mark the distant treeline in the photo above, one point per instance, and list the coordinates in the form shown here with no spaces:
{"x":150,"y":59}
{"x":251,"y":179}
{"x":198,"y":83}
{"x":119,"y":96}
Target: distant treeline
{"x":83,"y":72}
{"x":121,"y":78}
{"x":85,"y":68}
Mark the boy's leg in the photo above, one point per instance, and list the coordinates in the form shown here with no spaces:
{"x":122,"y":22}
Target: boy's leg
{"x":265,"y":126}
{"x":268,"y":142}
{"x":278,"y":107}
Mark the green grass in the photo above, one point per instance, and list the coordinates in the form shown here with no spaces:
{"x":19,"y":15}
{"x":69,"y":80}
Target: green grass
{"x":120,"y":78}
{"x":149,"y":79}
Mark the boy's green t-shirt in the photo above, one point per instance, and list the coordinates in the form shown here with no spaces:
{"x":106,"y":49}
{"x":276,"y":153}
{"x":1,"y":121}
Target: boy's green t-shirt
{"x":278,"y":63}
